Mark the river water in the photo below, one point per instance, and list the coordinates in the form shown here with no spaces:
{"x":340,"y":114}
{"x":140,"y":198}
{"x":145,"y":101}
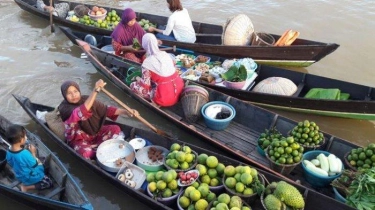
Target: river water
{"x":30,"y":54}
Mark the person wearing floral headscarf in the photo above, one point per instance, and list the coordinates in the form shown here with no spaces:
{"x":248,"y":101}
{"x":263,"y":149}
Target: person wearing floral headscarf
{"x":123,"y":35}
{"x":160,"y":81}
{"x":84,"y":118}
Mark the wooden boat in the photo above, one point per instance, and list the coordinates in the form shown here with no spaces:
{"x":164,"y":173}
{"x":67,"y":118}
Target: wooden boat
{"x":313,"y":199}
{"x":65,"y":193}
{"x":301,"y":53}
{"x":239,"y":138}
{"x":361,"y":104}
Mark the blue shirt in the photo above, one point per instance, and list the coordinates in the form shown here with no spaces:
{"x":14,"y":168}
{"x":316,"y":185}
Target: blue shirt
{"x":25,"y":166}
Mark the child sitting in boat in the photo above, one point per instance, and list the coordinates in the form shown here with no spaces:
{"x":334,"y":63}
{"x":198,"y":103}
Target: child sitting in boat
{"x":27,"y":168}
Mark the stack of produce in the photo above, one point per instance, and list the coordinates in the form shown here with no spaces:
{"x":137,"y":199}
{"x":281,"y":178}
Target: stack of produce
{"x":362,"y":157}
{"x":324,"y":166}
{"x":110,"y":22}
{"x":210,"y":170}
{"x":307,"y":134}
{"x":281,"y":195}
{"x":180,"y":158}
{"x":268,"y":136}
{"x":285,"y":151}
{"x":242,"y":181}
{"x":163,"y":184}
{"x":197,"y":196}
{"x":145,"y":24}
{"x":358,"y":187}
{"x":225,"y":201}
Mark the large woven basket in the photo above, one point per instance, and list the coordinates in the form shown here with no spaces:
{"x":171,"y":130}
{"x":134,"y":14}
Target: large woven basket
{"x":283,"y":169}
{"x":237,"y":30}
{"x":250,"y":199}
{"x":192,"y":102}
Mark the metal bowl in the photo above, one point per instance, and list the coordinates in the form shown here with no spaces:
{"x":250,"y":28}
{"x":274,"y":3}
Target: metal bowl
{"x":111,"y":150}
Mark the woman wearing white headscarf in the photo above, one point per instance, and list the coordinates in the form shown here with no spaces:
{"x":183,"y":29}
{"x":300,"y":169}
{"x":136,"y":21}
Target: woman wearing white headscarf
{"x":160,"y":81}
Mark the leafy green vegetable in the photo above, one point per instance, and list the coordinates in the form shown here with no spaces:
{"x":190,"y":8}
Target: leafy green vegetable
{"x":235,"y":74}
{"x":359,"y":188}
{"x":136,"y":44}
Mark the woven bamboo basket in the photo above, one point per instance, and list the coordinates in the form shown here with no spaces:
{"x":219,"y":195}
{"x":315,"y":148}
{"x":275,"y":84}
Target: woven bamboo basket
{"x":192,"y":102}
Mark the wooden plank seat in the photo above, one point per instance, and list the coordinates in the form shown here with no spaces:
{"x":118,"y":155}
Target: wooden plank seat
{"x":55,"y":192}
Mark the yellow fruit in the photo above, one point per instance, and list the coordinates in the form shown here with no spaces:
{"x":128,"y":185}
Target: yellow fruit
{"x":184,"y":201}
{"x":229,"y":171}
{"x":201,"y":204}
{"x":161,"y":185}
{"x":195,"y":195}
{"x":152,"y":187}
{"x":188,"y":190}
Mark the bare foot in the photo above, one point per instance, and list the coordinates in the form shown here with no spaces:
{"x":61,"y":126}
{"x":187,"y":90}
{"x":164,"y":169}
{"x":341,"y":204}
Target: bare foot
{"x":23,"y":188}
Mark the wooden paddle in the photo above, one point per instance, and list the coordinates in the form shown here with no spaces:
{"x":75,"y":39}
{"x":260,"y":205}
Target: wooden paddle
{"x":51,"y":17}
{"x":160,"y":132}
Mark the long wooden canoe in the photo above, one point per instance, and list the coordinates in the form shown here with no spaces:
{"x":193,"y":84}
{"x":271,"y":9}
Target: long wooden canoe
{"x":313,"y":199}
{"x":239,"y":138}
{"x":301,"y":53}
{"x":65,"y":193}
{"x":360,"y":105}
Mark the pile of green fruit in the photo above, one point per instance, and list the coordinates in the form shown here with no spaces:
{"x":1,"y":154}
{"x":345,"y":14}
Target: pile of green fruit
{"x":285,"y":151}
{"x":145,"y":24}
{"x":197,"y":196}
{"x":224,"y":201}
{"x":163,"y":184}
{"x":210,"y":170}
{"x":242,"y":180}
{"x":281,"y":195}
{"x":362,"y":157}
{"x":180,"y":158}
{"x":109,"y":23}
{"x":267,"y":137}
{"x":307,"y":134}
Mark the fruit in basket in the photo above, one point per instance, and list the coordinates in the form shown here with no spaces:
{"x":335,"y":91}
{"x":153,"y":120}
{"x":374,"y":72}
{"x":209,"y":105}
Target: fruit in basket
{"x":145,"y":24}
{"x":180,"y":157}
{"x":225,"y":201}
{"x":285,"y":151}
{"x":273,"y":203}
{"x":307,"y":133}
{"x":164,"y":184}
{"x":243,"y":182}
{"x":289,"y":195}
{"x":268,"y":136}
{"x":362,"y":157}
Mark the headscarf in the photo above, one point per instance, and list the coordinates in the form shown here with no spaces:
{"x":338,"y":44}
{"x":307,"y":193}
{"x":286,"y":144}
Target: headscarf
{"x":90,"y":126}
{"x":125,"y":34}
{"x":157,"y":61}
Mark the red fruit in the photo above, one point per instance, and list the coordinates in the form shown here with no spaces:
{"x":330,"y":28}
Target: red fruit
{"x":194,"y":175}
{"x":180,"y":174}
{"x":188,"y":176}
{"x":183,"y":177}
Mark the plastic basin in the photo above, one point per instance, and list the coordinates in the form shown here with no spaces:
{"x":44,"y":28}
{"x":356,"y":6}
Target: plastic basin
{"x":315,"y":179}
{"x":217,"y":124}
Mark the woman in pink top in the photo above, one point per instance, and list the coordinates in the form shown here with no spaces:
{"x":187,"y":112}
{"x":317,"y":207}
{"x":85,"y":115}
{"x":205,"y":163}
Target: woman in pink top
{"x":84,"y":118}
